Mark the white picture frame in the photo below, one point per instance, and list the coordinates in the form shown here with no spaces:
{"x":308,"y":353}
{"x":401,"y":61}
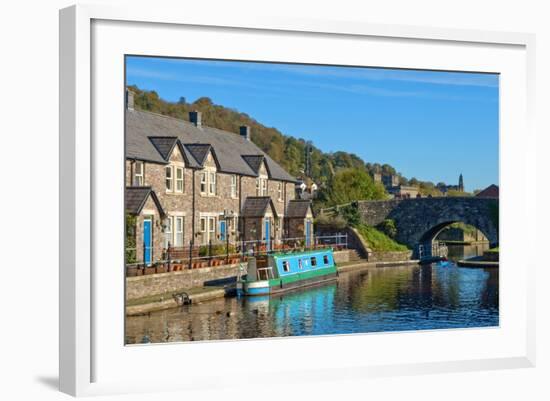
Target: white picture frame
{"x":91,"y":364}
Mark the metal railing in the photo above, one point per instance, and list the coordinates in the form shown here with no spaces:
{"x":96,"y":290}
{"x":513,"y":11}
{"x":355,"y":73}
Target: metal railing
{"x":226,"y":252}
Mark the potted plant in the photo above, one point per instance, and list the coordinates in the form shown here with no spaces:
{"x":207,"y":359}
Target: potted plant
{"x":160,"y":268}
{"x":151,"y":269}
{"x":139,"y":270}
{"x":131,"y":271}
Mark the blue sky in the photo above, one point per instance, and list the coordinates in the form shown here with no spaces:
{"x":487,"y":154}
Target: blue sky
{"x":429,"y":125}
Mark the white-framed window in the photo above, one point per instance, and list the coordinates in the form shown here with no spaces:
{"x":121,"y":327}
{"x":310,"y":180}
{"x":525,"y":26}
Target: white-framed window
{"x":138,"y":173}
{"x":179,"y":179}
{"x":234,"y":186}
{"x":280,"y":191}
{"x":169,"y":178}
{"x":168,"y":232}
{"x":207,"y":229}
{"x":203,"y":182}
{"x":233,"y":224}
{"x":211,"y":227}
{"x":178,"y":231}
{"x":212,"y":183}
{"x":208,"y":183}
{"x":261,"y":186}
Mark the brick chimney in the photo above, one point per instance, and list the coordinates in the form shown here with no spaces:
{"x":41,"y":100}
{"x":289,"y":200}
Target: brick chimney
{"x":196,"y":118}
{"x":129,"y":99}
{"x":244,"y":130}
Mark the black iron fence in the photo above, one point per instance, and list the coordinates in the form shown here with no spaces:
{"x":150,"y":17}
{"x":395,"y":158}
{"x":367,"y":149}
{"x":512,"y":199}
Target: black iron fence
{"x":219,"y":253}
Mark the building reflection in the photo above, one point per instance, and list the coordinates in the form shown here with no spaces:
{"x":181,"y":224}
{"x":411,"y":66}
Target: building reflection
{"x":381,"y":299}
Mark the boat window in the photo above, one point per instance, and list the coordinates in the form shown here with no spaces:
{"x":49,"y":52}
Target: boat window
{"x":286,"y":266}
{"x":300,"y":263}
{"x":325,"y":259}
{"x":313,"y":261}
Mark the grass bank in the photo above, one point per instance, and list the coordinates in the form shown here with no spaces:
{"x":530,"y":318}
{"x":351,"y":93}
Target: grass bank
{"x":378,"y":241}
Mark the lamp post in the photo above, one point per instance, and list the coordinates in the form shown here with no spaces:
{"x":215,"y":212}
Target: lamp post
{"x":227,"y":216}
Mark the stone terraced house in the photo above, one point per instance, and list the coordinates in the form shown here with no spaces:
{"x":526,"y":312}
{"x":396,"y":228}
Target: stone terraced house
{"x":189,"y":183}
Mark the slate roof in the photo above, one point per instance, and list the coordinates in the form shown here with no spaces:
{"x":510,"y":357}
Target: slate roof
{"x":137,"y":196}
{"x":227,"y":147}
{"x":254,"y":161}
{"x":199,"y":151}
{"x":256,"y":206}
{"x":298,"y":208}
{"x":492,"y":191}
{"x":164,"y":144}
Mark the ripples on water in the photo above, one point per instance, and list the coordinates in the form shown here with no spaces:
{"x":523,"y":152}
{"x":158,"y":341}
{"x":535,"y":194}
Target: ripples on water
{"x":381,"y":299}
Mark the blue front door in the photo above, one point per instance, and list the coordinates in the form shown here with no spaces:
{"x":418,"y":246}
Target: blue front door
{"x":267,"y":235}
{"x":308,"y":233}
{"x":222,"y":230}
{"x":147,"y":237}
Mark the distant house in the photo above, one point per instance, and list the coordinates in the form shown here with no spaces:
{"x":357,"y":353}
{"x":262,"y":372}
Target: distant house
{"x":191,"y":184}
{"x":491,"y":191}
{"x":393,"y":187}
{"x":305,"y":191}
{"x":404,"y":191}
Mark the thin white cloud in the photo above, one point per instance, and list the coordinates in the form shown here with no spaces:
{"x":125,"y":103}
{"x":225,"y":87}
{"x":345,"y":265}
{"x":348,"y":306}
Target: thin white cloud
{"x":359,"y":73}
{"x":281,"y":86}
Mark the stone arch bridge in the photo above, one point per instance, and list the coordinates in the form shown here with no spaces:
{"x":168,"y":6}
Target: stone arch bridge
{"x":420,"y":220}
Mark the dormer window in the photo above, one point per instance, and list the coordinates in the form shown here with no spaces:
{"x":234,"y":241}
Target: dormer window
{"x":138,"y":174}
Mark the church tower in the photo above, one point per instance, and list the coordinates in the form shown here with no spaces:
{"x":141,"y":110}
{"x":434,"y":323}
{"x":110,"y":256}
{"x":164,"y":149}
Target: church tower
{"x":460,"y":183}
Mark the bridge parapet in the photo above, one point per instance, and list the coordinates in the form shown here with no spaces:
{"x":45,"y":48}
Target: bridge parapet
{"x":419,"y":220}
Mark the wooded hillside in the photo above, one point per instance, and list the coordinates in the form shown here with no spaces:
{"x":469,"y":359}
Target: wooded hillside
{"x":286,"y":150}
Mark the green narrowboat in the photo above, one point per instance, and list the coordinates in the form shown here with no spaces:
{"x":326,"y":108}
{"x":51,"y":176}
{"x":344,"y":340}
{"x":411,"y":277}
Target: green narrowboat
{"x":284,"y":271}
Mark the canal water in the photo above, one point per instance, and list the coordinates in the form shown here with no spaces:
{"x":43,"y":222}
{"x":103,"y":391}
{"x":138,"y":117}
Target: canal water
{"x":374,"y":300}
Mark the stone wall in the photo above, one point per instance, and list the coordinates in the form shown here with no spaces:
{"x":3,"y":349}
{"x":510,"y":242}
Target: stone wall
{"x":142,"y":286}
{"x":457,"y":234}
{"x":342,"y":256}
{"x":297,"y":228}
{"x":397,"y":256}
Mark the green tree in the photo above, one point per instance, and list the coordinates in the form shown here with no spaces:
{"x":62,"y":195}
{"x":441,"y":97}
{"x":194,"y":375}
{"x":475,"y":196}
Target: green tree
{"x":353,"y":184}
{"x":388,"y":227}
